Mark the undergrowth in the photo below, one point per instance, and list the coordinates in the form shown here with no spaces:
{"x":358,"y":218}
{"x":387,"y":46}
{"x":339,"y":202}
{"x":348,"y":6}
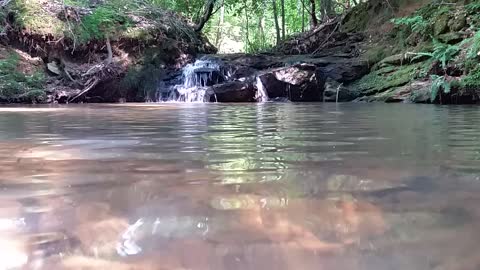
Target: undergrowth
{"x":416,"y":23}
{"x":107,"y":20}
{"x":17,"y":86}
{"x":442,"y":53}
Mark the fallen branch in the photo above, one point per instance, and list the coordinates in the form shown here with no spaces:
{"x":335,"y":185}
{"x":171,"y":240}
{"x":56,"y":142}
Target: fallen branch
{"x":327,"y":39}
{"x":320,"y":28}
{"x":84,"y":91}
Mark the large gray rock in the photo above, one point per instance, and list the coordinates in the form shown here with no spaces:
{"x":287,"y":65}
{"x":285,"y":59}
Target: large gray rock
{"x":300,"y":82}
{"x":235,"y":91}
{"x":346,"y":70}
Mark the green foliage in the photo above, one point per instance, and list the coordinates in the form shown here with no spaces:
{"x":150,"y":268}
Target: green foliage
{"x":472,"y":79}
{"x":439,"y":83}
{"x":442,"y":52}
{"x":78,"y":3}
{"x":474,"y":49}
{"x":416,"y":23}
{"x":33,"y":17}
{"x":106,"y":20}
{"x":17,"y":86}
{"x":473,"y":7}
{"x":386,"y":78}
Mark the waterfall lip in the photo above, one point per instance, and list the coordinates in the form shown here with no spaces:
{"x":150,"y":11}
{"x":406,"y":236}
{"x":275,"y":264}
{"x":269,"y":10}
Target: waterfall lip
{"x":196,"y":81}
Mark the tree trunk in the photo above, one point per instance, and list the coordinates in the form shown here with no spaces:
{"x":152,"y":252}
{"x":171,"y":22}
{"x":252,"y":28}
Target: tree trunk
{"x":313,"y":16}
{"x":303,"y":17}
{"x":282,"y":2}
{"x":109,"y":50}
{"x":326,"y":9}
{"x":261,"y":25}
{"x":219,"y":26}
{"x":275,"y":19}
{"x":207,"y":13}
{"x":247,"y":33}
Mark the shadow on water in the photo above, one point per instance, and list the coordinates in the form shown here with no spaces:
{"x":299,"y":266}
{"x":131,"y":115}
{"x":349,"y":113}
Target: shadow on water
{"x":244,"y":186}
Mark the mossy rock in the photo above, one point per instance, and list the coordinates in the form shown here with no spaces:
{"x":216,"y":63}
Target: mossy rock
{"x":458,"y":22}
{"x":441,"y":24}
{"x":451,"y":38}
{"x":386,"y":78}
{"x":357,"y":19}
{"x":402,"y":59}
{"x":375,"y":54}
{"x":397,"y":59}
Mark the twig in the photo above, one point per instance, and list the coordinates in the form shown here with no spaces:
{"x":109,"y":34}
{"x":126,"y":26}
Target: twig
{"x":338,"y":91}
{"x":326,"y":40}
{"x":84,"y":91}
{"x":69,"y":76}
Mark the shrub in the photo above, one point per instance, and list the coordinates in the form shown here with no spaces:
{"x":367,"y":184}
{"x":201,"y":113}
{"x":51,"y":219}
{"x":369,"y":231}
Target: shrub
{"x":15,"y":85}
{"x":442,"y":52}
{"x":416,"y":23}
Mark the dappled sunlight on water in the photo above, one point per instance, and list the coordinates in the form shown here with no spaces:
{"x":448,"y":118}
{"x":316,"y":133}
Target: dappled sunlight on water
{"x":245,"y":186}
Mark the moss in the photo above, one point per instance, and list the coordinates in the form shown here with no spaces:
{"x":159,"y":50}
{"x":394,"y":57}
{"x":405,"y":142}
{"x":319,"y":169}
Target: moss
{"x":440,"y":25}
{"x":375,"y":54}
{"x":472,"y":79}
{"x":357,"y":19}
{"x":106,"y":20}
{"x":431,"y":18}
{"x":451,"y":38}
{"x":34,"y":18}
{"x":386,"y":78}
{"x":143,"y":79}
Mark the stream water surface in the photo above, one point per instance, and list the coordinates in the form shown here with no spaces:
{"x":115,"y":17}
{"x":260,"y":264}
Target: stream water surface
{"x":240,"y":186}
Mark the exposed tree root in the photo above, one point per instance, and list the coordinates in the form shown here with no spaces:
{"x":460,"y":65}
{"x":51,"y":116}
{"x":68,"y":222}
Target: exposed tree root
{"x":84,"y":91}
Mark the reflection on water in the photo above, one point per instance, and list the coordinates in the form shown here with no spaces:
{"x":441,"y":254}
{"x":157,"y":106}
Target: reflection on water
{"x":257,"y":186}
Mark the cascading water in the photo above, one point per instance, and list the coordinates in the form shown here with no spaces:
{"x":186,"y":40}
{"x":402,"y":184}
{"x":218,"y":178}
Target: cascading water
{"x":262,"y":95}
{"x":196,"y":79}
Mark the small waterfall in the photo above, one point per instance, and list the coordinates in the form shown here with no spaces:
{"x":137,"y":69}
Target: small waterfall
{"x":196,"y":81}
{"x":262,"y":95}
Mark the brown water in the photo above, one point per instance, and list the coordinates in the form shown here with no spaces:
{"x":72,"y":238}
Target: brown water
{"x":211,"y":186}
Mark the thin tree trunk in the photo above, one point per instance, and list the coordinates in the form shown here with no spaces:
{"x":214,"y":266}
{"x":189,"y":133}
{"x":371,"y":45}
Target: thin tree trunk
{"x":261,"y":23}
{"x":207,"y":13}
{"x":326,"y":9}
{"x":313,"y":16}
{"x":303,"y":17}
{"x":275,"y":19}
{"x":282,"y":2}
{"x":109,"y":50}
{"x":219,"y":26}
{"x":247,"y":23}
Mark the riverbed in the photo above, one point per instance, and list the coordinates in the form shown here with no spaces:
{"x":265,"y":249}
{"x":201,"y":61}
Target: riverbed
{"x":240,"y":186}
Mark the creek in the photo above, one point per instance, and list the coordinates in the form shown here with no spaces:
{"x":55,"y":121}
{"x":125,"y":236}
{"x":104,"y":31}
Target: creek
{"x":239,"y":186}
